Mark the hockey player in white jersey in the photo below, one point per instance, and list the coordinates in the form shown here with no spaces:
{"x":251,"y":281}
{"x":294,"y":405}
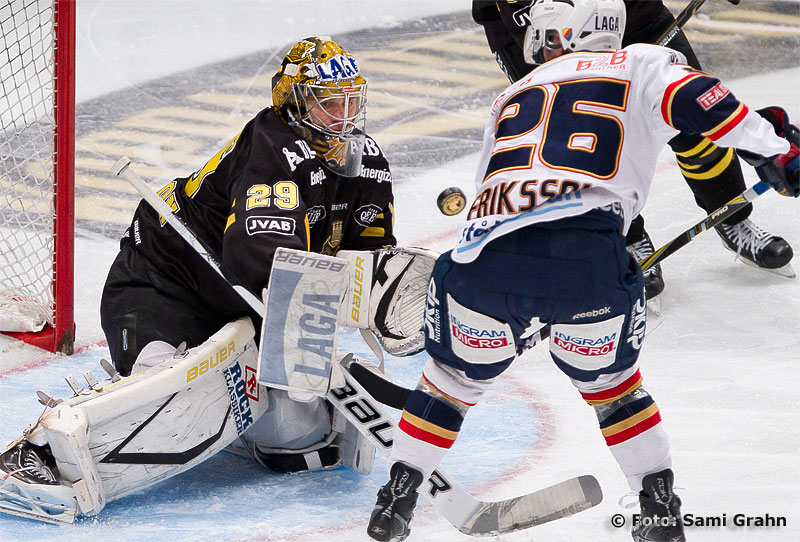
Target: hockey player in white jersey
{"x":568,"y":158}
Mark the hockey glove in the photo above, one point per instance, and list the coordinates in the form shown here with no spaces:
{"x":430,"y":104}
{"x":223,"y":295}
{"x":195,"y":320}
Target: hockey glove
{"x":782,"y":171}
{"x":398,"y":300}
{"x":387,"y":294}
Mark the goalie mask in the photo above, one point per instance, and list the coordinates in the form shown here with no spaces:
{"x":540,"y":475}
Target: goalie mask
{"x":320,"y":92}
{"x":578,"y":25}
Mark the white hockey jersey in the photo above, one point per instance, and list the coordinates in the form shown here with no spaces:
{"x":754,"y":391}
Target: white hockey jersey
{"x":584,"y":131}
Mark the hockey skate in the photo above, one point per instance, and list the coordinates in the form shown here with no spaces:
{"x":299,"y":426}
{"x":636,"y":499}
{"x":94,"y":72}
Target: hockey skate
{"x":30,"y":488}
{"x":653,"y":277}
{"x":757,"y":247}
{"x":660,"y":518}
{"x":389,"y":521}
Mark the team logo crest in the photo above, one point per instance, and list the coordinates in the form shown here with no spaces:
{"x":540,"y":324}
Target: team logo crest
{"x":567,"y":33}
{"x":367,"y":214}
{"x":331,"y":246}
{"x":315,"y":214}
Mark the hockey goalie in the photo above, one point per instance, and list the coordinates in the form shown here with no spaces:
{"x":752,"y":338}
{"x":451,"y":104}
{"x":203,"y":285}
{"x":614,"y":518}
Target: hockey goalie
{"x":192,"y":375}
{"x":180,"y":406}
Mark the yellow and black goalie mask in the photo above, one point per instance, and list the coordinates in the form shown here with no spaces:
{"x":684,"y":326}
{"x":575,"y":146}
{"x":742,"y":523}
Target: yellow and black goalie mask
{"x":320,"y":91}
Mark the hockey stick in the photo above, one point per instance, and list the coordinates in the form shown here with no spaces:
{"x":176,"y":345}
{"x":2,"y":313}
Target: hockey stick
{"x":162,"y":208}
{"x":685,"y":14}
{"x":707,"y":223}
{"x":682,"y":18}
{"x":383,"y":390}
{"x":466,"y":513}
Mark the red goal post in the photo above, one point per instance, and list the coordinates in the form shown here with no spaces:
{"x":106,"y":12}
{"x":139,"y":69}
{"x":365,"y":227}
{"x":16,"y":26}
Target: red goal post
{"x":37,"y":165}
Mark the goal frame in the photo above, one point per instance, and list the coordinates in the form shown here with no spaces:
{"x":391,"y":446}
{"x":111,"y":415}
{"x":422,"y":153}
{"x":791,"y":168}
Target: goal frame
{"x":61,"y":336}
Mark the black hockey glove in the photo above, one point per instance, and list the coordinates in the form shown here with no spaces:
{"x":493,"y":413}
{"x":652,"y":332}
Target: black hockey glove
{"x":781,"y":171}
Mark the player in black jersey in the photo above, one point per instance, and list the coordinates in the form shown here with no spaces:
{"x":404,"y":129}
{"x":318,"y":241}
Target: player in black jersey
{"x":301,"y":174}
{"x":713,"y":173}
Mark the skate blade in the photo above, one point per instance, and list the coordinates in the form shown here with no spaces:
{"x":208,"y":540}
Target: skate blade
{"x":785,"y":271}
{"x":18,"y":500}
{"x":654,"y":306}
{"x":64,"y":518}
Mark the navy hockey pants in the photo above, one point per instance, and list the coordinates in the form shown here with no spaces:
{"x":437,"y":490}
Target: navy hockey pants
{"x":582,"y":282}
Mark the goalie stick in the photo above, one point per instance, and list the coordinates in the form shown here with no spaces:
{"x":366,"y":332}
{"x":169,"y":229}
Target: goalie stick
{"x":383,"y":390}
{"x":469,"y":515}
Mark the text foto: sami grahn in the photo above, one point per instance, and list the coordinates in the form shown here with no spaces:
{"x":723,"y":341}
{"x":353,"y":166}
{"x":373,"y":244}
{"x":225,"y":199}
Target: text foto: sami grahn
{"x":736,"y":520}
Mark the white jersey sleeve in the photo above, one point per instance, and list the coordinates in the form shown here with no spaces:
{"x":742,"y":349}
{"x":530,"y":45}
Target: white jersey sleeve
{"x":585,"y":130}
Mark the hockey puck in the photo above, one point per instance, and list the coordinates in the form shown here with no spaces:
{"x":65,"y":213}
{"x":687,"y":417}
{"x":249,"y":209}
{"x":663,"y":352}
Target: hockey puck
{"x":451,"y":201}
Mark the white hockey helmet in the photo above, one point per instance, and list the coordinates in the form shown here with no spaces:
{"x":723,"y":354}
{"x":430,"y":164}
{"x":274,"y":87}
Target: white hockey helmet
{"x":574,"y":25}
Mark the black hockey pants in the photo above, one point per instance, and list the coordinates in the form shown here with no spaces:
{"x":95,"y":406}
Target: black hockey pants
{"x":141,"y":305}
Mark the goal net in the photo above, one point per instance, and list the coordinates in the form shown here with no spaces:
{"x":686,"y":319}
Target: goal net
{"x":36,"y":171}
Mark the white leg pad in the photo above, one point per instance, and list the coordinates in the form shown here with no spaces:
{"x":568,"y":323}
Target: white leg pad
{"x":154,"y":424}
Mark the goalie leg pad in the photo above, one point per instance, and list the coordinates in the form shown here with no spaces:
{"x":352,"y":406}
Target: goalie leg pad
{"x":128,"y":435}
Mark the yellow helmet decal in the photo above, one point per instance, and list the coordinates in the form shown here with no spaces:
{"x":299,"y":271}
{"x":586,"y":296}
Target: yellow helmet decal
{"x":314,"y":61}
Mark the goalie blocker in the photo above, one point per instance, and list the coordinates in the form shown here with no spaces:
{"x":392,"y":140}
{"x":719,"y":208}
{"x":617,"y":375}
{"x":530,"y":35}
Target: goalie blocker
{"x":309,"y":295}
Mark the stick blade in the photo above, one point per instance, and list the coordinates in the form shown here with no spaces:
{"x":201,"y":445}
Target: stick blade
{"x":382,"y":390}
{"x":555,"y":502}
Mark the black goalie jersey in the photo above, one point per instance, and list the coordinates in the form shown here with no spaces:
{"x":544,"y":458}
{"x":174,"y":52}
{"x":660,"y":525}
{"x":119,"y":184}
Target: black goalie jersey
{"x":263,"y":190}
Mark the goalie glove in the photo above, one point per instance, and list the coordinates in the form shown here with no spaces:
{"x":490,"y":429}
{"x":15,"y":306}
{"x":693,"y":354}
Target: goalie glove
{"x":387,"y":295}
{"x":781,"y":172}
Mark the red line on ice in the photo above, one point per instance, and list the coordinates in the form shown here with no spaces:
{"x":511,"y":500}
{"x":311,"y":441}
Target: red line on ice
{"x":51,"y":358}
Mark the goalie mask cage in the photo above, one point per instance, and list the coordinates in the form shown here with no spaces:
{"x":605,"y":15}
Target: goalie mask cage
{"x":37,"y":143}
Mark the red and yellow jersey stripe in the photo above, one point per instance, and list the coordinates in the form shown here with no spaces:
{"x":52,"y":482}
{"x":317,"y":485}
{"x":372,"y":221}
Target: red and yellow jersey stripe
{"x":699,"y":104}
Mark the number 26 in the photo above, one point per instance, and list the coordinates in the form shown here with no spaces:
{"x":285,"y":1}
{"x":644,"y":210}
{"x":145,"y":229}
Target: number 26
{"x":574,"y":138}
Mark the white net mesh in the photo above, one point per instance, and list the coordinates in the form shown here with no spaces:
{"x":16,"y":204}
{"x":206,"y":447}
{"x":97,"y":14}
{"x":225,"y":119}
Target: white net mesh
{"x":26,"y":164}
